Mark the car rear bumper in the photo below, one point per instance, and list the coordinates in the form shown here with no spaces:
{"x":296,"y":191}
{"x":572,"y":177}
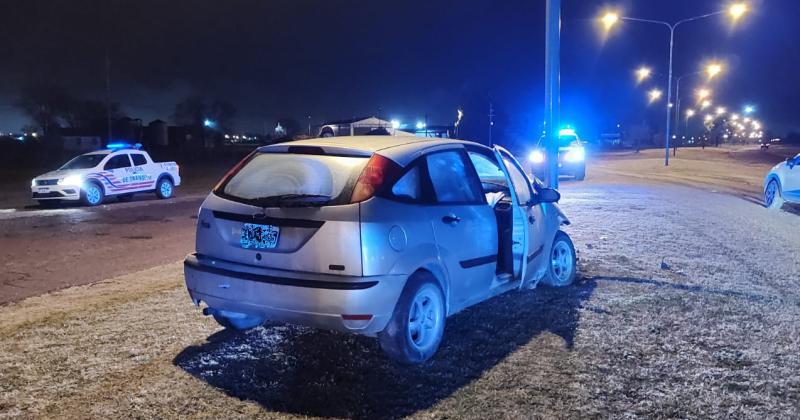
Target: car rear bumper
{"x":326,"y":301}
{"x":56,"y":192}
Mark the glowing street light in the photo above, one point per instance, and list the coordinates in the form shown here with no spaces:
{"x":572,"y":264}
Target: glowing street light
{"x":708,"y":118}
{"x":734,"y":117}
{"x":654,"y":95}
{"x":209,"y":123}
{"x":721,"y":110}
{"x":643,"y":73}
{"x":609,"y":20}
{"x":395,"y":124}
{"x":420,"y":125}
{"x":749,"y":109}
{"x":713,"y":69}
{"x":737,"y":10}
{"x":706,"y":103}
{"x":690,"y":113}
{"x":703,"y":93}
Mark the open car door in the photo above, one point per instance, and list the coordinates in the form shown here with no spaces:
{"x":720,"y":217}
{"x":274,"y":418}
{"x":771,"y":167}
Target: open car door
{"x":519,"y":230}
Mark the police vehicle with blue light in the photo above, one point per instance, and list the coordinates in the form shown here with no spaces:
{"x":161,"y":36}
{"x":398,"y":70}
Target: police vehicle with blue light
{"x":121,"y":170}
{"x":571,"y":156}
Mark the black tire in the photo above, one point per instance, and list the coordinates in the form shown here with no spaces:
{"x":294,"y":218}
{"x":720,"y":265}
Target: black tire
{"x":776,"y":201}
{"x":563,"y":246}
{"x":89,"y":197}
{"x":397,"y":339}
{"x":161,"y":191}
{"x":124,"y":198}
{"x":239,"y":324}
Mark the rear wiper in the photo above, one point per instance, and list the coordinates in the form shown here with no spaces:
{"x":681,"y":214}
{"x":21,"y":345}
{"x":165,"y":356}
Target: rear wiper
{"x":284,"y":199}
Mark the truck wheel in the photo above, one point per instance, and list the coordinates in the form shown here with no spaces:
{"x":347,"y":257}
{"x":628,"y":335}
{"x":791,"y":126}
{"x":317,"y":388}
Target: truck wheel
{"x":562,"y":264}
{"x":92,"y":194}
{"x":164,"y":188}
{"x":415,"y":331}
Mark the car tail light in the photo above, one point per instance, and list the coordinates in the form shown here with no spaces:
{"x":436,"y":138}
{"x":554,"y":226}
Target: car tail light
{"x":233,"y":171}
{"x":379,"y":171}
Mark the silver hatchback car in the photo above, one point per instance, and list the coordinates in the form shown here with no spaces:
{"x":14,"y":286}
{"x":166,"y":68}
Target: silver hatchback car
{"x":380,"y":235}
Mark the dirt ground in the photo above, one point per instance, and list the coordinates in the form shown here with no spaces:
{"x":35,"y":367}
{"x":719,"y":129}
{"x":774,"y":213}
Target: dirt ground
{"x":687,"y":306}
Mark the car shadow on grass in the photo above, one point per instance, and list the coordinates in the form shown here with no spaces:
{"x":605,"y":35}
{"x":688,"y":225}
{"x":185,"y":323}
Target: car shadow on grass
{"x":321,"y":373}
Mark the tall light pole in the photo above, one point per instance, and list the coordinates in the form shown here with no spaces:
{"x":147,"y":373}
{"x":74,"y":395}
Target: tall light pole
{"x":552,"y":86}
{"x":736,"y":11}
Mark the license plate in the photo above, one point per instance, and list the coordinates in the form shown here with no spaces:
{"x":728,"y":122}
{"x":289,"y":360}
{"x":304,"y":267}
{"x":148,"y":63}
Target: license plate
{"x":259,"y":236}
{"x":44,"y":190}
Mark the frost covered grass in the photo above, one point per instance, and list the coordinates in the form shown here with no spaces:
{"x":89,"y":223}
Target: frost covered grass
{"x":687,"y":307}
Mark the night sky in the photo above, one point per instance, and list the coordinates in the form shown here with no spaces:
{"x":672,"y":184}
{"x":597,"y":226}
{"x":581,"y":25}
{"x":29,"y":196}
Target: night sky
{"x":336,"y":59}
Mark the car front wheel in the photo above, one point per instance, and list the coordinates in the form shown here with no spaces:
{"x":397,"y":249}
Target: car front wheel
{"x":772,"y":196}
{"x":415,"y":331}
{"x":92,"y":194}
{"x":562,"y":264}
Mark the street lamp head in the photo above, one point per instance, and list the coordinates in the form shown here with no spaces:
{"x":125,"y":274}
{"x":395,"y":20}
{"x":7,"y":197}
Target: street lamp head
{"x":749,"y":109}
{"x":690,"y":113}
{"x":395,"y":124}
{"x":643,"y":73}
{"x":709,"y":118}
{"x":737,"y":10}
{"x":713,"y":69}
{"x":654,"y":95}
{"x":610,"y":19}
{"x":721,"y":110}
{"x":706,"y":103}
{"x":703,"y":93}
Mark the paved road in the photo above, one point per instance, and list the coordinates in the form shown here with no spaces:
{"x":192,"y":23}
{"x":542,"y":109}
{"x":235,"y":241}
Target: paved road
{"x":45,"y":250}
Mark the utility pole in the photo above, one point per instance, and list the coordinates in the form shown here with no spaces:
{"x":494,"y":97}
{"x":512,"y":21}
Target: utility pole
{"x":552,"y":87}
{"x":491,"y":123}
{"x":108,"y":93}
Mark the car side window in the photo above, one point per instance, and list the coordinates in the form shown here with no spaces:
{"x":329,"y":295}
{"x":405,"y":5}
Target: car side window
{"x":408,"y":187}
{"x":453,"y":182}
{"x":487,"y":169}
{"x":138,"y":159}
{"x":117,"y":162}
{"x":520,"y":181}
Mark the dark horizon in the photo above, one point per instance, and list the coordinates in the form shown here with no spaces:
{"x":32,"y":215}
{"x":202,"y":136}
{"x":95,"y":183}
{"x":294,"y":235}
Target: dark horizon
{"x":405,"y":61}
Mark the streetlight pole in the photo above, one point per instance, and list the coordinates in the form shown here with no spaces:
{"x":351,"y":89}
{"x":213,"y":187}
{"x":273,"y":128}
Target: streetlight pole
{"x":672,"y":27}
{"x":552,"y":87}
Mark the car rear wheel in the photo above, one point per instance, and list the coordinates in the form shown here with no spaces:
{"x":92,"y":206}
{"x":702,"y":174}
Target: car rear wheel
{"x":415,"y":331}
{"x":92,"y":194}
{"x":164,"y":188}
{"x":772,"y":196}
{"x":562,"y":268}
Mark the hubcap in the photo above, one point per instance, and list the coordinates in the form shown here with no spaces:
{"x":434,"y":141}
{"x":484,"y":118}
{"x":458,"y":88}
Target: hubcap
{"x":561,"y":261}
{"x":425,"y":318}
{"x":166,"y":189}
{"x":93,"y":195}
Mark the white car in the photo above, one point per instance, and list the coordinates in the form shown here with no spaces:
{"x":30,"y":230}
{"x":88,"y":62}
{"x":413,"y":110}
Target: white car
{"x":782,"y":184}
{"x":120,"y":170}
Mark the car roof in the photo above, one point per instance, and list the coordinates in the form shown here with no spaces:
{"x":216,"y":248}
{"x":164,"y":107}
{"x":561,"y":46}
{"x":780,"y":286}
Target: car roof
{"x":401,"y":149}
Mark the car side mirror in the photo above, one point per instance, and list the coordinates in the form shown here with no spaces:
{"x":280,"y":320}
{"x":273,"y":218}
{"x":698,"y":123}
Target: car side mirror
{"x":546,"y":195}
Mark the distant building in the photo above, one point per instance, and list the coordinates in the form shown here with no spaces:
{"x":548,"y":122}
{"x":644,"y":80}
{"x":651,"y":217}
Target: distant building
{"x":359,"y":127}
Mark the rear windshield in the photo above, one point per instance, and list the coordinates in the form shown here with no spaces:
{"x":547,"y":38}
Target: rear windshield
{"x":294,"y":180}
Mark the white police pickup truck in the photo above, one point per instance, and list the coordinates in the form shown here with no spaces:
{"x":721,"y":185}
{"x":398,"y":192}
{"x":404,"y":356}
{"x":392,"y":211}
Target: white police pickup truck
{"x":121,"y":170}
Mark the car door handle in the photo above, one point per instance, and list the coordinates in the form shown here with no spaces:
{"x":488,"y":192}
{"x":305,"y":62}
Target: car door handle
{"x":451,"y":219}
